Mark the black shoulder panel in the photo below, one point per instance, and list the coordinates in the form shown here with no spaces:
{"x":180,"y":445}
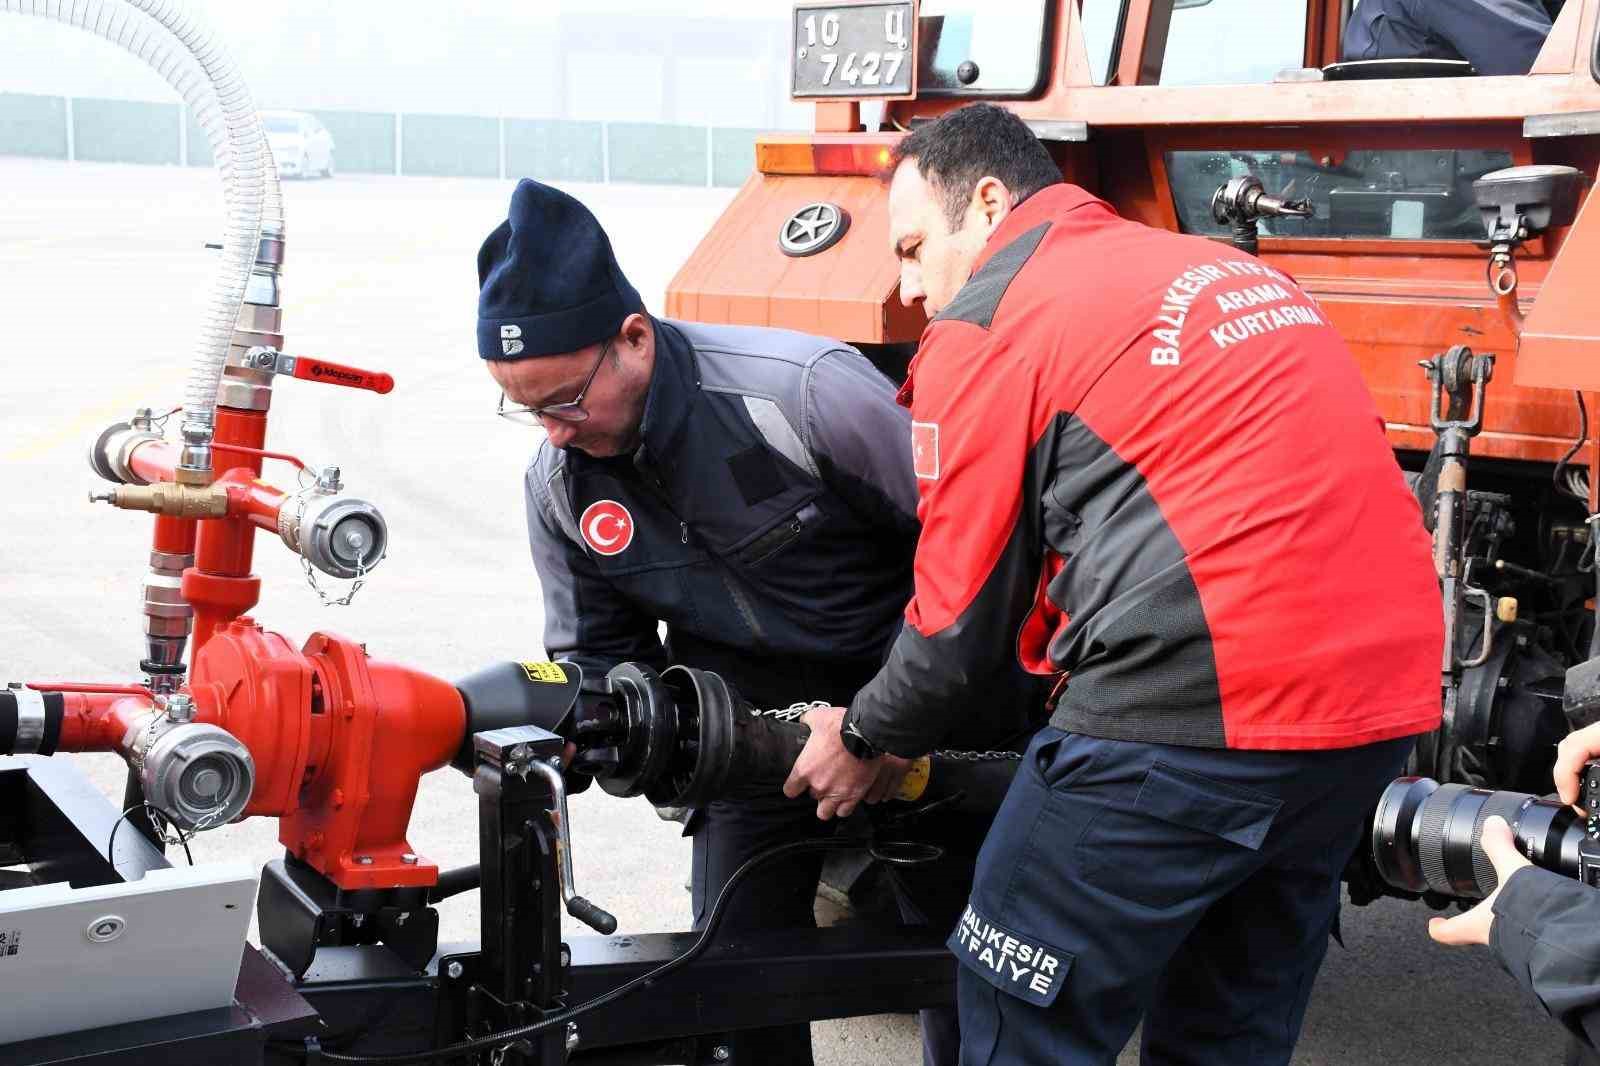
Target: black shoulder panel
{"x":980,"y":297}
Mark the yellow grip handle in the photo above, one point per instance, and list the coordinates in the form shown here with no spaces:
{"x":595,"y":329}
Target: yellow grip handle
{"x":915,"y":783}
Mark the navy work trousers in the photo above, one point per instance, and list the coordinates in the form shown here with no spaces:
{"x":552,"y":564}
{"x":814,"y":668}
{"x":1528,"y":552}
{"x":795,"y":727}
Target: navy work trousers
{"x":1191,"y":888}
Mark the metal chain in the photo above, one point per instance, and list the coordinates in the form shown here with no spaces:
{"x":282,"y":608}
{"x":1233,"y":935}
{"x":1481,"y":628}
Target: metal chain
{"x":330,"y":601}
{"x":795,"y":711}
{"x":302,"y":498}
{"x":978,"y":756}
{"x":159,"y":423}
{"x":140,"y":749}
{"x":168,"y":831}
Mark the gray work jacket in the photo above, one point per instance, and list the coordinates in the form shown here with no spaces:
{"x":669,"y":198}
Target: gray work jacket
{"x":768,"y":517}
{"x":1546,"y":934}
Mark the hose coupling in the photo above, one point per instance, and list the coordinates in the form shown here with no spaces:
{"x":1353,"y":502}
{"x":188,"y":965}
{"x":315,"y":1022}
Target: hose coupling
{"x":341,"y":535}
{"x":196,"y":774}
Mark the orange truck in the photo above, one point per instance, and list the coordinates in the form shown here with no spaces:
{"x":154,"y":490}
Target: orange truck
{"x":1439,"y":217}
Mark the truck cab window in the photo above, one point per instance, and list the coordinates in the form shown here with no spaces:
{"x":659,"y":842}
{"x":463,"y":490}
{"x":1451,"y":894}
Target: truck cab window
{"x":1412,"y":194}
{"x":1101,"y":22}
{"x":1233,"y":42}
{"x":987,"y":48}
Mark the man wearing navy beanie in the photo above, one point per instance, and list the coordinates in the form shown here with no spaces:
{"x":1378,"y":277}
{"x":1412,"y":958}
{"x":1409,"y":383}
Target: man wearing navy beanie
{"x":752,"y":489}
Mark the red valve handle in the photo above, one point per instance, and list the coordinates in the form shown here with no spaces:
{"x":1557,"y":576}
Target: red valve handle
{"x":338,"y":374}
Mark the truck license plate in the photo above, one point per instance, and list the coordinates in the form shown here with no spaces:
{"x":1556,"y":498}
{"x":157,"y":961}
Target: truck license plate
{"x":854,"y":50}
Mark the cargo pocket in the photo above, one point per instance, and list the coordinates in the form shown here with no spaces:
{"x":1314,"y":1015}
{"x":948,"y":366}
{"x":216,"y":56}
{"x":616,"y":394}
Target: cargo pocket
{"x":1164,"y":847}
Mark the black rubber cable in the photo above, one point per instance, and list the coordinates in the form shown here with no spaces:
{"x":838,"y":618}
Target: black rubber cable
{"x":1583,"y":438}
{"x":111,"y":844}
{"x":642,"y":981}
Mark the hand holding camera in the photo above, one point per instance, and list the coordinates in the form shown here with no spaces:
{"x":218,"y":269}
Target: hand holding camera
{"x":1473,"y":926}
{"x":1558,"y":840}
{"x":1572,"y":757}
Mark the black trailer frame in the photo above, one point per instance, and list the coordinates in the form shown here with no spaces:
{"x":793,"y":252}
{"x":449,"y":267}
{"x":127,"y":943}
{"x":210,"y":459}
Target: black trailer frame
{"x":371,"y":980}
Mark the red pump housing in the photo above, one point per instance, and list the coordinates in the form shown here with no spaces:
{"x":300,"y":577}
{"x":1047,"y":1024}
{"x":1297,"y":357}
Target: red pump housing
{"x":339,"y":743}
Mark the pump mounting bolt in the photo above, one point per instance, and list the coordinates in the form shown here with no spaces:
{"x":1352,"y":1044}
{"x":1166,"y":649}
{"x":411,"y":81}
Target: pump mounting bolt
{"x":409,"y":859}
{"x":363,"y":860}
{"x":721,"y":1053}
{"x":454,"y":970}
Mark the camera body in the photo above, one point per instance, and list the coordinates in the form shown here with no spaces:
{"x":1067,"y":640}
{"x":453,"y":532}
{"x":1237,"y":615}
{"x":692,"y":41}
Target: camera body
{"x":1589,"y":846}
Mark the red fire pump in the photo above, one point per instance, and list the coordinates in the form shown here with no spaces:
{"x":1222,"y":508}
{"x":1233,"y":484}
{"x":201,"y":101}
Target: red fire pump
{"x":325,"y":739}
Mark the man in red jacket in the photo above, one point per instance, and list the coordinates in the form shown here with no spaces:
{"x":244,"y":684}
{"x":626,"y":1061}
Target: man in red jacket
{"x":1149,"y":464}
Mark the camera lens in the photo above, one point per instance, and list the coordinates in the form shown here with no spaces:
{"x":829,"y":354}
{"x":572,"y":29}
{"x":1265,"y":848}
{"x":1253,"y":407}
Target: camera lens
{"x":1426,"y":836}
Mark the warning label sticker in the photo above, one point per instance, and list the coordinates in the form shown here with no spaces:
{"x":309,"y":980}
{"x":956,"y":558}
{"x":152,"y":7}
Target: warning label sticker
{"x":10,"y":942}
{"x":549,"y":673}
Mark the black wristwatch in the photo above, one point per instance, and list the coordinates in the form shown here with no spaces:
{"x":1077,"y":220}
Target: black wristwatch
{"x":856,"y":743}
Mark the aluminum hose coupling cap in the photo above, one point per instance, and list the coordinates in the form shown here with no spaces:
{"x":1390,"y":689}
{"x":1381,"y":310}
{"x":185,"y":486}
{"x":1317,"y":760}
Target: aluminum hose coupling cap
{"x":340,"y":535}
{"x":198,"y":776}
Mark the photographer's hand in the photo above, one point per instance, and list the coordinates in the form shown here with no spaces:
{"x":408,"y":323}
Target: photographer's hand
{"x":1473,"y":926}
{"x":1578,"y":748}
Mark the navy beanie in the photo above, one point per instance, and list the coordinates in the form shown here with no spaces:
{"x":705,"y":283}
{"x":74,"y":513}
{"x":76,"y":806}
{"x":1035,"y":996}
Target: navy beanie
{"x":548,"y":282}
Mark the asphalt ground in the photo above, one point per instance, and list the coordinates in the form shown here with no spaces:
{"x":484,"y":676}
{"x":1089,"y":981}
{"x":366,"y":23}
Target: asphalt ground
{"x":102,"y":278}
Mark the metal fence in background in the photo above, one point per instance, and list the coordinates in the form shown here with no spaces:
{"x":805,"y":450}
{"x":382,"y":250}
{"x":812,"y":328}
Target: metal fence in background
{"x":370,"y":142}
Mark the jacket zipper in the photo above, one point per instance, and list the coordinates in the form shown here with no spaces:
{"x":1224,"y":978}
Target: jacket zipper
{"x":723,"y":571}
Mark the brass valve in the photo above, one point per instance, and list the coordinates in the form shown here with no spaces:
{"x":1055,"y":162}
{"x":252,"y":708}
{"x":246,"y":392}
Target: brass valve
{"x":175,"y":501}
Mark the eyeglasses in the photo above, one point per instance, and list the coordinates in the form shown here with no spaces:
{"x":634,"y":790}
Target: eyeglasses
{"x":571,"y":411}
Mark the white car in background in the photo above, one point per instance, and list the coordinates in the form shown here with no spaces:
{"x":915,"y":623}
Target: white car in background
{"x":301,"y":146}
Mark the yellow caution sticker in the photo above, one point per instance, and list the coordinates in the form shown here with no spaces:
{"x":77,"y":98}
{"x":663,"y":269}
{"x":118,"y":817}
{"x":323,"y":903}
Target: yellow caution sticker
{"x":915,"y":783}
{"x":549,"y":673}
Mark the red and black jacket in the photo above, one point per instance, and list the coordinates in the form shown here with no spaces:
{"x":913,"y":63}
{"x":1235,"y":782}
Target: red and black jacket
{"x":1146,"y":460}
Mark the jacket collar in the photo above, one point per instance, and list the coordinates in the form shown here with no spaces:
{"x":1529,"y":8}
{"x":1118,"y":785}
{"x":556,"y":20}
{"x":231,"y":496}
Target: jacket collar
{"x":1042,"y":206}
{"x":674,"y":390}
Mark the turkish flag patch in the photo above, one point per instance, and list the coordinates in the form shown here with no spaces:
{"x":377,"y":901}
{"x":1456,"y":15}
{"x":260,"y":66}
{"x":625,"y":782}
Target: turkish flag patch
{"x":925,"y":450}
{"x":607,"y":527}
